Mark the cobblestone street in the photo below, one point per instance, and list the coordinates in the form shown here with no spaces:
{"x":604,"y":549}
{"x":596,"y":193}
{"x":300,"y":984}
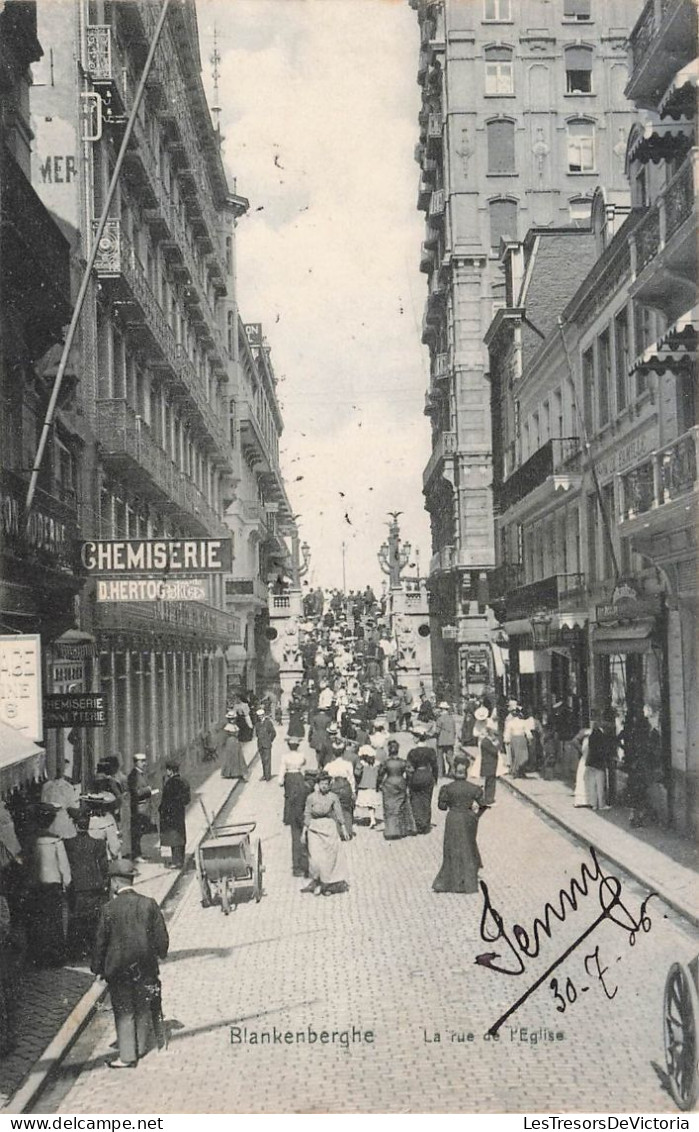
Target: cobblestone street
{"x":392,"y":957}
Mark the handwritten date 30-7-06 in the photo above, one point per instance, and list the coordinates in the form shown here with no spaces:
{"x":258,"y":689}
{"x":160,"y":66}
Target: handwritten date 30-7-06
{"x":522,"y":944}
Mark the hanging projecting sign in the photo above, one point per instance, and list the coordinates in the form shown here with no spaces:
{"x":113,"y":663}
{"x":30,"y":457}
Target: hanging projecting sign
{"x":151,"y":556}
{"x":20,"y":684}
{"x":76,"y":709}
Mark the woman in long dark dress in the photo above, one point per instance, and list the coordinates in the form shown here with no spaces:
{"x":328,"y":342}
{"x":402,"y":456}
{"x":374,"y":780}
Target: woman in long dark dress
{"x":423,"y":772}
{"x":461,"y":859}
{"x":296,"y":728}
{"x":393,"y":784}
{"x":233,"y":763}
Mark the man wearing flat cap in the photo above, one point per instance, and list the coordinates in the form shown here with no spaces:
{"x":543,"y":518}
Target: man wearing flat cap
{"x":131,"y":938}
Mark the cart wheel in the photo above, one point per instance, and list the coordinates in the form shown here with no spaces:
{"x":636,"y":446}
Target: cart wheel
{"x":225,"y":897}
{"x":680,"y":1019}
{"x":257,"y":883}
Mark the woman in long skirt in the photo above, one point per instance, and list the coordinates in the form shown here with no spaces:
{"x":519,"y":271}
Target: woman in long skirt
{"x":423,"y":771}
{"x":325,"y":830}
{"x":233,"y":764}
{"x":461,"y":859}
{"x":48,"y":875}
{"x":393,"y":783}
{"x":583,"y":785}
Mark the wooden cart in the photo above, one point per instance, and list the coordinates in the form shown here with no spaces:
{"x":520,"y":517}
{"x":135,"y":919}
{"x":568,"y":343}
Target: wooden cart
{"x":229,"y":865}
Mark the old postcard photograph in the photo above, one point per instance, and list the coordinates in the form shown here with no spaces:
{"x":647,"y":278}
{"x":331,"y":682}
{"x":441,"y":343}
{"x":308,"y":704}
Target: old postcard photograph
{"x":348,"y":563}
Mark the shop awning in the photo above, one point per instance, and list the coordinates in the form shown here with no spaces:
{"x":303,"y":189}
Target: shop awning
{"x":611,"y":640}
{"x":21,"y":759}
{"x":500,"y":658}
{"x":661,"y":141}
{"x":675,"y":350}
{"x":74,"y":644}
{"x":680,"y":97}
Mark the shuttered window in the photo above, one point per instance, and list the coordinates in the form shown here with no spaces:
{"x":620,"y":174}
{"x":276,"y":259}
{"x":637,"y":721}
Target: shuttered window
{"x":578,"y":70}
{"x":503,"y":222}
{"x":577,"y":9}
{"x":501,"y":146}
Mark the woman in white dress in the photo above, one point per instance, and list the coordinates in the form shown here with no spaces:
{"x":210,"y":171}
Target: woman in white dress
{"x":583,"y":792}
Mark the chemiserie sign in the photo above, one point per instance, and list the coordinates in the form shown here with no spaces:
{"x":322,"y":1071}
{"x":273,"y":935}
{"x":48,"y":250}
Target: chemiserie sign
{"x":153,"y":556}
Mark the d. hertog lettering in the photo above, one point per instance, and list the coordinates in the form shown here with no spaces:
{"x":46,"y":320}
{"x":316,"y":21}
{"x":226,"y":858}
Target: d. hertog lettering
{"x":528,"y":943}
{"x":241,"y":1036}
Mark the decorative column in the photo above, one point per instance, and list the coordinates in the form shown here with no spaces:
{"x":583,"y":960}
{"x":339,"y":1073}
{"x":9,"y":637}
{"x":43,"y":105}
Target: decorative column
{"x":154,"y":737}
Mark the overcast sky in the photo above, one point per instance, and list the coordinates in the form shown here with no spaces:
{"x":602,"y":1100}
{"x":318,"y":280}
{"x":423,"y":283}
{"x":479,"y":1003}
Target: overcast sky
{"x":319,"y":114}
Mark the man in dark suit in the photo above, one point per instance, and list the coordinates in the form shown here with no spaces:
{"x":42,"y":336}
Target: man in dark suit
{"x":266,"y":734}
{"x":89,"y":886}
{"x":131,"y":937}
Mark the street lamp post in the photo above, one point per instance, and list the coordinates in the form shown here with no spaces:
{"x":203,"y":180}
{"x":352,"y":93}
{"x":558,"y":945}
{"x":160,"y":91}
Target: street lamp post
{"x":393,"y":555}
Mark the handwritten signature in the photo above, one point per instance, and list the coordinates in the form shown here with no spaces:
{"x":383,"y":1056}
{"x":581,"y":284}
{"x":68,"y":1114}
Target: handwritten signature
{"x":525,"y":944}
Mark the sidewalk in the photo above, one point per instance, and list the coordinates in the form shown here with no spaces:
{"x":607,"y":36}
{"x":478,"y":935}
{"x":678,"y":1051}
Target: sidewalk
{"x":55,"y":1004}
{"x":668,"y":866}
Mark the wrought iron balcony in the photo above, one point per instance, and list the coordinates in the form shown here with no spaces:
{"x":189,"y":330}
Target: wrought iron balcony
{"x":118,"y":265}
{"x":661,"y":479}
{"x":256,"y":447}
{"x":437,"y":204}
{"x":444,"y":449}
{"x":544,"y":595}
{"x":440,"y":368}
{"x":662,"y":40}
{"x":107,"y":70}
{"x":193,"y":620}
{"x":435,"y":123}
{"x":556,"y":457}
{"x":664,"y":244}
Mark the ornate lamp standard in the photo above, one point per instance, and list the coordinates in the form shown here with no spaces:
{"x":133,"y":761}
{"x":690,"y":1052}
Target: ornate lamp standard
{"x":298,"y":568}
{"x":393,"y":555}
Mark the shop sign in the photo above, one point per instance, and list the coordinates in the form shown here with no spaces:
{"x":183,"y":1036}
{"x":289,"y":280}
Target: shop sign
{"x":48,"y":537}
{"x":147,"y":589}
{"x":628,"y":605}
{"x":477,"y":663}
{"x":625,"y":456}
{"x":20,"y":684}
{"x":148,"y":556}
{"x":69,"y":709}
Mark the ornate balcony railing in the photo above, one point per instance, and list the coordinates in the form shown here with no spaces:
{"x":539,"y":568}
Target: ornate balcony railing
{"x":543,"y":595}
{"x":189,"y":619}
{"x":556,"y":454}
{"x":661,"y":41}
{"x":663,"y":477}
{"x":445,"y":446}
{"x":117,"y":259}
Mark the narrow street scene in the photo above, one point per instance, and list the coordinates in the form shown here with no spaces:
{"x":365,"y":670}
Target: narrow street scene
{"x":348,"y":556}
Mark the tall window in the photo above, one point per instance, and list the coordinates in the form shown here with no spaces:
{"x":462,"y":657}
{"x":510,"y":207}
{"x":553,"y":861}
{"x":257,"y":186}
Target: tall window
{"x":576,"y":9}
{"x":499,"y":78}
{"x":497,"y":10}
{"x":578,"y":70}
{"x":608,"y":525}
{"x":644,"y":328}
{"x":503,"y":221}
{"x":588,"y":383}
{"x":604,"y":368}
{"x":501,"y":146}
{"x":621,"y":357}
{"x":592,"y":537}
{"x":581,"y":146}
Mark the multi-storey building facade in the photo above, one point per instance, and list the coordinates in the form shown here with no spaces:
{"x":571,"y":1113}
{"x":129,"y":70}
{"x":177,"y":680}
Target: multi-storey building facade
{"x":523,"y":112}
{"x":155,"y":361}
{"x":595,"y":467}
{"x":39,"y":578}
{"x":259,"y":516}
